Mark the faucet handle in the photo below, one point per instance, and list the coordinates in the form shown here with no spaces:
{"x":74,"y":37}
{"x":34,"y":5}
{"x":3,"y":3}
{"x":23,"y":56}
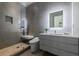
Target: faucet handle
{"x":55,"y":31}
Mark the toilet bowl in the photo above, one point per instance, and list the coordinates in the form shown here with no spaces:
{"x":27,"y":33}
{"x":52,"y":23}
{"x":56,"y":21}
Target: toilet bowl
{"x":34,"y":43}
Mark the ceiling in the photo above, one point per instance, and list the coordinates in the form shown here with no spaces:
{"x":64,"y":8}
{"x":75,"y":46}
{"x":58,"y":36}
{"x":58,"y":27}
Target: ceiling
{"x":25,"y":4}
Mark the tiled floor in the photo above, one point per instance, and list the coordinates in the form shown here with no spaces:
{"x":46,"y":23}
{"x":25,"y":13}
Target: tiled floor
{"x":38,"y":53}
{"x":29,"y":53}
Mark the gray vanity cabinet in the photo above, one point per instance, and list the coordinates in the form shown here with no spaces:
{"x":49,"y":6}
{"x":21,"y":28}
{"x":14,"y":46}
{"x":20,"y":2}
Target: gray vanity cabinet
{"x":59,"y":45}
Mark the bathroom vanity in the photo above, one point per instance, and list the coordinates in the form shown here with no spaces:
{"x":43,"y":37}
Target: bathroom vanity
{"x":63,"y":45}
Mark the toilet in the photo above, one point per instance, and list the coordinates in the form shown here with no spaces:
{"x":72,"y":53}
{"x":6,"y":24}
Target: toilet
{"x":34,"y":44}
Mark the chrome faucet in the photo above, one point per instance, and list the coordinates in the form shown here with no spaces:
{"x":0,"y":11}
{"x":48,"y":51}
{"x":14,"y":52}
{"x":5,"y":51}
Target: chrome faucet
{"x":55,"y":31}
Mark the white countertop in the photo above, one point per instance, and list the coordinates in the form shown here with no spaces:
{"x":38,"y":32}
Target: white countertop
{"x":63,"y":35}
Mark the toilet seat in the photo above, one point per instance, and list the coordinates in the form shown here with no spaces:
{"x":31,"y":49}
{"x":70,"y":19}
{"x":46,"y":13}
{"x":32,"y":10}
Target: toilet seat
{"x":35,"y":40}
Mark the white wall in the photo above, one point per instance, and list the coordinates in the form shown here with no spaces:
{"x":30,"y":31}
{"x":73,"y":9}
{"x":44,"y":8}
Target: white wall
{"x":67,"y":16}
{"x":76,"y":18}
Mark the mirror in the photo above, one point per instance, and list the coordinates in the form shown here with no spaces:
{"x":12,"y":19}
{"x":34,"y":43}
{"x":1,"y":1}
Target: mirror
{"x":56,"y":19}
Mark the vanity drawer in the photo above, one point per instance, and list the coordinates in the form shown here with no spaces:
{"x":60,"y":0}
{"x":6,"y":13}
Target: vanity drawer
{"x":61,"y":46}
{"x":73,"y":48}
{"x":67,"y":40}
{"x":56,"y":51}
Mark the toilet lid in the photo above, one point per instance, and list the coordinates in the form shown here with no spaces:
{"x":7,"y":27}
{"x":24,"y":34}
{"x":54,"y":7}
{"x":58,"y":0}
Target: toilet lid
{"x":34,"y":40}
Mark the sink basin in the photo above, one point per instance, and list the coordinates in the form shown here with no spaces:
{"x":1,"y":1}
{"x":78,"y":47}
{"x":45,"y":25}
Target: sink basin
{"x":27,"y":37}
{"x":56,"y":33}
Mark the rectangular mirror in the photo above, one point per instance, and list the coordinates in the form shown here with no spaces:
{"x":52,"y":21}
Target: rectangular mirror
{"x":56,"y":19}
